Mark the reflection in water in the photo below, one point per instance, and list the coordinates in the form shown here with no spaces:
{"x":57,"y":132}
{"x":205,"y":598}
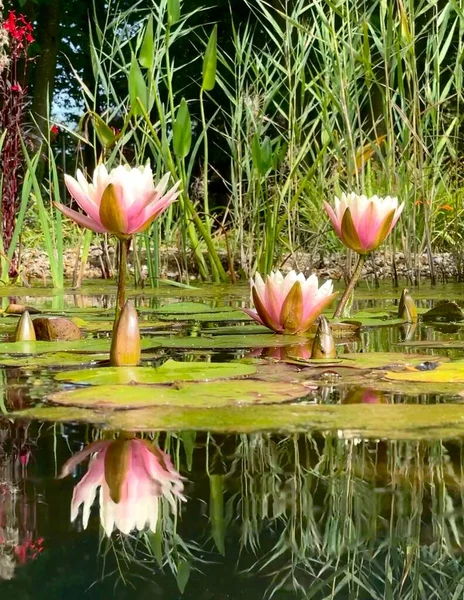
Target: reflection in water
{"x":287,"y":516}
{"x":19,"y":541}
{"x":353,"y":518}
{"x":131,"y":475}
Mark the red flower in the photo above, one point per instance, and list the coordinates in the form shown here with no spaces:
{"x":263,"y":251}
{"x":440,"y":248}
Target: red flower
{"x":54,"y":130}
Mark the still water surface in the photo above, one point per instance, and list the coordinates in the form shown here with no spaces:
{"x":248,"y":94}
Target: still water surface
{"x":284,"y":515}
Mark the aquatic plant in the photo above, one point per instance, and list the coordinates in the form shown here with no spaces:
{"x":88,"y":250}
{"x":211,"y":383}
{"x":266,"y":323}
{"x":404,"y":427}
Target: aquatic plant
{"x":125,"y":344}
{"x":132,"y":476}
{"x":362,"y":224}
{"x":15,"y":36}
{"x":121,"y":202}
{"x":289,"y":304}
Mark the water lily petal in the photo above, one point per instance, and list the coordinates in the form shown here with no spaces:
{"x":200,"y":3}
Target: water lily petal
{"x":81,"y":219}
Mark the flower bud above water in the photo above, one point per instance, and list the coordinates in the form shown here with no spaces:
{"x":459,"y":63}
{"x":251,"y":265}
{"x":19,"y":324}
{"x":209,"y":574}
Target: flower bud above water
{"x":407,"y":309}
{"x":125,"y":343}
{"x":323,"y":345}
{"x":24,"y":331}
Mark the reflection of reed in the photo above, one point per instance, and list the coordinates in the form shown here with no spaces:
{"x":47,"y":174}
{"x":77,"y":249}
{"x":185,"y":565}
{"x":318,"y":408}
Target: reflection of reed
{"x":368,"y":519}
{"x":18,"y":536}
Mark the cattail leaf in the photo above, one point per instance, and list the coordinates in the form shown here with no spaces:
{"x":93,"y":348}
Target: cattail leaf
{"x":173,"y":11}
{"x":147,"y":49}
{"x":137,"y":87}
{"x":104,"y":132}
{"x":210,"y":62}
{"x":183,"y":574}
{"x":182,"y":131}
{"x":266,"y":154}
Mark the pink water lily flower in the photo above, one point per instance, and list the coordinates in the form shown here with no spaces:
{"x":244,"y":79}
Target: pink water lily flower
{"x":289,"y":304}
{"x":123,"y":201}
{"x":132,"y":476}
{"x":363,"y":223}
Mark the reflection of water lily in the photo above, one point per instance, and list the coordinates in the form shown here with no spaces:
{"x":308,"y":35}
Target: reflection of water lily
{"x":289,"y":304}
{"x":132,"y":475}
{"x":364,"y":396}
{"x":363,"y":223}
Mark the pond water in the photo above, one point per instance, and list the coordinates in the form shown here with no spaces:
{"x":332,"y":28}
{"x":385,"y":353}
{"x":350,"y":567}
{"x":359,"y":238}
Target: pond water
{"x":351,"y":488}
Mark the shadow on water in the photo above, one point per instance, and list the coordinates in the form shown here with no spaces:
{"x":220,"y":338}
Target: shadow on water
{"x":314,"y":514}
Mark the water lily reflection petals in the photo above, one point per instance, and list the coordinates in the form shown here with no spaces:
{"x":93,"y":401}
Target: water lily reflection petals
{"x":123,"y":201}
{"x":363,"y":223}
{"x":130,"y":476}
{"x":289,"y":304}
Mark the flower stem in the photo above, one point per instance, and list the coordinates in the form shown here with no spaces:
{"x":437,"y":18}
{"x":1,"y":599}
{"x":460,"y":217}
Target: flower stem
{"x":350,"y":287}
{"x":123,"y":246}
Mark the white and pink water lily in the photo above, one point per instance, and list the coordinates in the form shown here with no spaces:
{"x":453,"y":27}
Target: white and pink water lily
{"x":122,"y":201}
{"x":363,"y":223}
{"x":289,"y":304}
{"x":131,"y":476}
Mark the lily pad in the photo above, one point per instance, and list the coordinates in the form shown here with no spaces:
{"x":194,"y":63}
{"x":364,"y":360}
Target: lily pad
{"x":452,"y":372}
{"x":382,"y":360}
{"x":219,"y":393}
{"x":84,"y":345}
{"x":53,"y":360}
{"x":228,"y":342}
{"x":371,"y":421}
{"x":169,"y":372}
{"x":187,"y":308}
{"x":213,"y":317}
{"x":444,"y":311}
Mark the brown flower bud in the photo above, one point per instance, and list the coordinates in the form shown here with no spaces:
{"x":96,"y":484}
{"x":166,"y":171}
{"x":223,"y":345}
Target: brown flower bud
{"x":25,"y":329}
{"x":323,"y":345}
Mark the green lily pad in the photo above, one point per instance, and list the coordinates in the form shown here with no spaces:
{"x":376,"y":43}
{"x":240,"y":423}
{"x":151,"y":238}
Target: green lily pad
{"x":169,"y":372}
{"x":218,"y":393}
{"x":229,"y":342}
{"x":444,"y":311}
{"x":214,"y":317}
{"x":382,"y":360}
{"x":432,"y":344}
{"x":188,"y":308}
{"x":84,"y":345}
{"x":371,"y":421}
{"x":107,"y":326}
{"x":53,"y":360}
{"x":452,"y":372}
{"x":373,"y":322}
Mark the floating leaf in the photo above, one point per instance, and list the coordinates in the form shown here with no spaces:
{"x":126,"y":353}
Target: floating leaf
{"x":217,"y":393}
{"x":444,"y":311}
{"x":84,"y":345}
{"x":53,"y":360}
{"x":228,"y":342}
{"x":452,"y":372}
{"x":377,"y":421}
{"x":169,"y":372}
{"x":383,"y":360}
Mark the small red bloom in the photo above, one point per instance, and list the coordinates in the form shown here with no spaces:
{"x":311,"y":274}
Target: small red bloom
{"x":54,"y":130}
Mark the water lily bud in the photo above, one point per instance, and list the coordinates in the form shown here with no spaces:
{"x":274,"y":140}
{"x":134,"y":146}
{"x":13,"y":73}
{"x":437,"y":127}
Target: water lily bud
{"x":25,"y":329}
{"x":407,"y":308}
{"x":125,"y":344}
{"x":323,"y":345}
